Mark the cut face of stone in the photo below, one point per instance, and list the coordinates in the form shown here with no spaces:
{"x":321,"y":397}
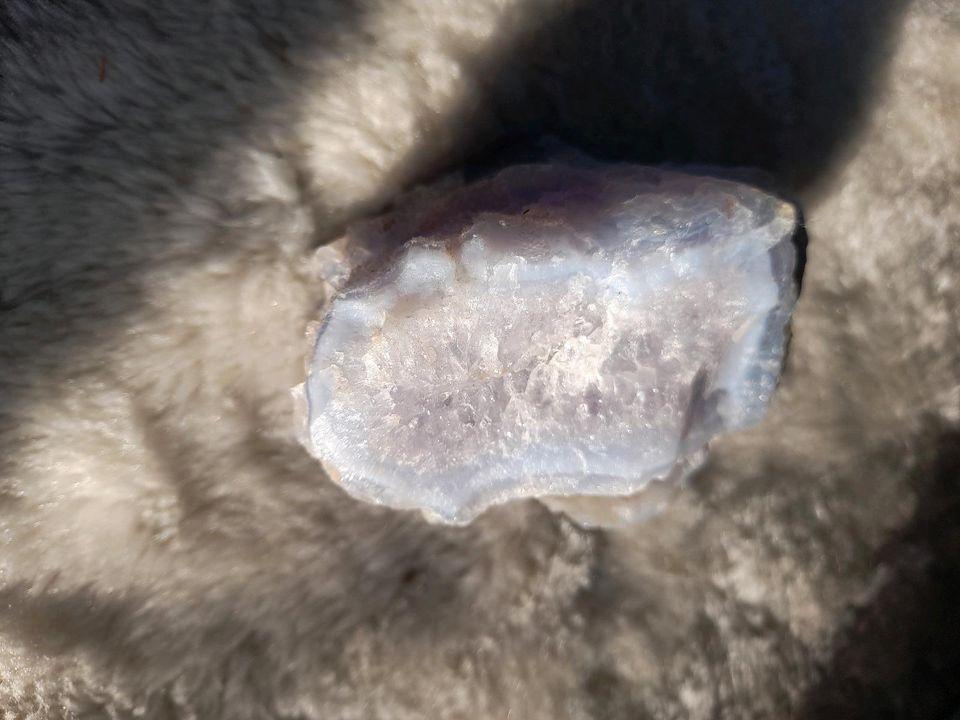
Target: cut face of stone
{"x":555,"y":330}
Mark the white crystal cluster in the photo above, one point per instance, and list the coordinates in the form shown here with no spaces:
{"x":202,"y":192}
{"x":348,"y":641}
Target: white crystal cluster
{"x":554,"y":330}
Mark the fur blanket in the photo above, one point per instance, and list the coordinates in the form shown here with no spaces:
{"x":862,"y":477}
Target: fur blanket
{"x":167,"y":550}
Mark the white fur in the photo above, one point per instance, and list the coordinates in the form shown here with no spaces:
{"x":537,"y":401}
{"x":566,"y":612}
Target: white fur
{"x":168,"y":550}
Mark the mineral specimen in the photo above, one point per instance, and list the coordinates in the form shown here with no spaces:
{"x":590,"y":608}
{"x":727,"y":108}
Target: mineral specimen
{"x":553,"y":330}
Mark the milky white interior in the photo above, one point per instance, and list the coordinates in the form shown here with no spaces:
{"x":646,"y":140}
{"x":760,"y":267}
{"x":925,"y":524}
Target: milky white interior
{"x":545,"y":351}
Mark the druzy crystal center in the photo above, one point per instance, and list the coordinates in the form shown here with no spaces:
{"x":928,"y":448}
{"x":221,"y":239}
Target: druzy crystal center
{"x":551,"y":331}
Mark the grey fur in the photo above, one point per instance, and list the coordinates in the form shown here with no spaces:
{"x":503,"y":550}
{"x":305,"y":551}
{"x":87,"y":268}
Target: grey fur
{"x":170,"y":552}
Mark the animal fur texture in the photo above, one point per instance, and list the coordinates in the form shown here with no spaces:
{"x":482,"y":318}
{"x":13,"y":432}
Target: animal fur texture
{"x":167,"y":550}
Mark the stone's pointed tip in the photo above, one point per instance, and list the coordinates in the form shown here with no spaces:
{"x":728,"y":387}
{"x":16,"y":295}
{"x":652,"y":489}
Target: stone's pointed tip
{"x":555,"y":332}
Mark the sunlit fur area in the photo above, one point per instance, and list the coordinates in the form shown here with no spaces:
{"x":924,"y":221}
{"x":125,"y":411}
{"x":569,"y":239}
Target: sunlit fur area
{"x":169,"y":550}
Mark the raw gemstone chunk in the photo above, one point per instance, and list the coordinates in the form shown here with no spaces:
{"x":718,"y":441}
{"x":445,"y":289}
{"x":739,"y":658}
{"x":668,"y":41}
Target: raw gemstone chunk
{"x":553,"y":330}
